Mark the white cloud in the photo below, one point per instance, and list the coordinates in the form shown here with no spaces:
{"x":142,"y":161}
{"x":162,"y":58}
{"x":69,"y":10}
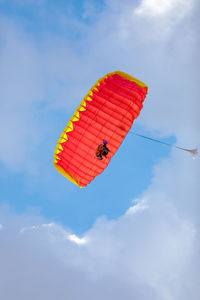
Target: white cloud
{"x":38,"y":227}
{"x":77,"y":240}
{"x":151,"y":252}
{"x":158,"y":19}
{"x":53,"y":229}
{"x":138,"y":206}
{"x":162,"y":8}
{"x":154,"y":7}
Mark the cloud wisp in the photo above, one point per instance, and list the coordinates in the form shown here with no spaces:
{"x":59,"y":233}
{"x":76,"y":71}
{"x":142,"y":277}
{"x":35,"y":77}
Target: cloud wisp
{"x":162,"y":8}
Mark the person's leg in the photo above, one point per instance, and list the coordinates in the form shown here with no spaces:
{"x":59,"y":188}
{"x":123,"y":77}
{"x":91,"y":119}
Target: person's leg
{"x":100,"y":156}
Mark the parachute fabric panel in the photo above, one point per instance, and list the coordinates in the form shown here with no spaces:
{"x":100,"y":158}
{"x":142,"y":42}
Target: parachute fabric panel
{"x":106,"y":113}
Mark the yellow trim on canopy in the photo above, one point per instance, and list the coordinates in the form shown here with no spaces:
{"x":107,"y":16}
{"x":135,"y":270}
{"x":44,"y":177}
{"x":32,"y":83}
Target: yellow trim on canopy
{"x":76,"y":118}
{"x":67,"y":175}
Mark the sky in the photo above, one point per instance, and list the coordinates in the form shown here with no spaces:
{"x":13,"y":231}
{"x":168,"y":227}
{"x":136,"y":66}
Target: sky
{"x":133,"y":233}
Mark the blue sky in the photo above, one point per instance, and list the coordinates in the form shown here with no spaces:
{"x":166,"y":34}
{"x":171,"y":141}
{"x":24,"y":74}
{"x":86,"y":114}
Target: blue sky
{"x":133,"y":219}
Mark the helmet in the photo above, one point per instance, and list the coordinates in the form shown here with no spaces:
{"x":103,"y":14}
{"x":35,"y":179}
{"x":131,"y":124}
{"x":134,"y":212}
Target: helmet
{"x":105,"y":142}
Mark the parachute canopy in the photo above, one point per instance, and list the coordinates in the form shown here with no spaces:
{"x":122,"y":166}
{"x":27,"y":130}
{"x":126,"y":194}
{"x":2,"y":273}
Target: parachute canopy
{"x":106,"y":113}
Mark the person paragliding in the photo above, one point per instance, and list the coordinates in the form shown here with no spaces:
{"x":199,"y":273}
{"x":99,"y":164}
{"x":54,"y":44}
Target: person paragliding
{"x":106,"y":112}
{"x":102,"y":150}
{"x":109,"y":109}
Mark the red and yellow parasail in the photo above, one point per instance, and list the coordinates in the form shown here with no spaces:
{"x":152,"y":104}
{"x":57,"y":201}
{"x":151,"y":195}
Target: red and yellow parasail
{"x":106,"y":114}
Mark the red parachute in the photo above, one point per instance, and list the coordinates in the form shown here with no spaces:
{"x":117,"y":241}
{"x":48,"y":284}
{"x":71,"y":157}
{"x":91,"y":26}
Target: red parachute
{"x":102,"y":120}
